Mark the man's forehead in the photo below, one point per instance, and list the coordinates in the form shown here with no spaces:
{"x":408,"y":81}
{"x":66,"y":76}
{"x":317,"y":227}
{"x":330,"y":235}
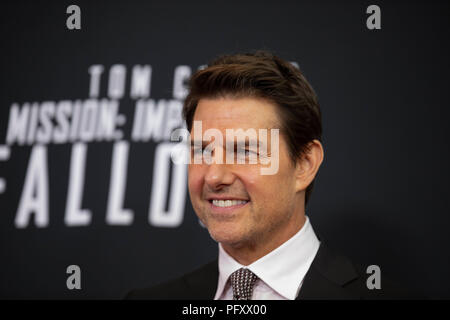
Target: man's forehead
{"x":244,"y":113}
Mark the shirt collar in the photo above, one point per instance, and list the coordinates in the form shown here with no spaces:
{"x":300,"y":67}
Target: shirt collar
{"x":296,"y":255}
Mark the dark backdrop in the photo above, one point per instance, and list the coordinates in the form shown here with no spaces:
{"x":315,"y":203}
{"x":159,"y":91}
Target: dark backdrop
{"x":381,"y":196}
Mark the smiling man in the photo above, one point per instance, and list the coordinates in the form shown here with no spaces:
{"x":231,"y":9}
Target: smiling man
{"x":248,"y":213}
{"x":267,"y":246}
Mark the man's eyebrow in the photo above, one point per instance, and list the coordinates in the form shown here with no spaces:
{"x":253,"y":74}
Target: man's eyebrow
{"x":247,"y":141}
{"x":235,"y":143}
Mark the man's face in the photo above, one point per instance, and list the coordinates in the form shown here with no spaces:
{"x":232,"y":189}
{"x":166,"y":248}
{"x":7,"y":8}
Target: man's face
{"x":271,"y":204}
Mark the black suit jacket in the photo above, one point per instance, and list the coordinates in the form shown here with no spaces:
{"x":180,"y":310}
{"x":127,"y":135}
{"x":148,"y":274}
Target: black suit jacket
{"x":331,"y":276}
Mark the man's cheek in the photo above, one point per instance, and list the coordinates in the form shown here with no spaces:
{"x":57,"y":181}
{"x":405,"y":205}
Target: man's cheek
{"x":195,"y":185}
{"x":252,"y":181}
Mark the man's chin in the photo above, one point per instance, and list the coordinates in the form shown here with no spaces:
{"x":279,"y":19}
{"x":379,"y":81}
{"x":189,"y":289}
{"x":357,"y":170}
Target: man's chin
{"x":231,"y":238}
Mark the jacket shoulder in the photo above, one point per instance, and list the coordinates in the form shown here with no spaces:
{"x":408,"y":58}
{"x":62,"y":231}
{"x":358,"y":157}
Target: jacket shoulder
{"x":388,"y":289}
{"x":335,"y":276}
{"x":199,"y":284}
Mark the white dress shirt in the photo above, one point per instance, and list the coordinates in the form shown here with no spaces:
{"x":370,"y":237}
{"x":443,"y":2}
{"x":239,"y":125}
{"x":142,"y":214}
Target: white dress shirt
{"x":280,"y":272}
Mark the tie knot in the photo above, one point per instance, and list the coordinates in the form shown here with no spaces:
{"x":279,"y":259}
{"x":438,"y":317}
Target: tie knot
{"x":242,"y":282}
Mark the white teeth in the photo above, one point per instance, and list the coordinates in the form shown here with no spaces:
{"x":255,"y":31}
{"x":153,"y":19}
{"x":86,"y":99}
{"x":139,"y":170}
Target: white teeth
{"x":228,"y":203}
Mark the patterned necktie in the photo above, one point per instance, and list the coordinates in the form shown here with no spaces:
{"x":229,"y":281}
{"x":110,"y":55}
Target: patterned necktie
{"x":242,"y":282}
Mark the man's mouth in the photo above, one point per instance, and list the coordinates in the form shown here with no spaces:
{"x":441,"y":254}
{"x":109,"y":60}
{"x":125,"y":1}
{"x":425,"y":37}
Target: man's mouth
{"x":227,"y":203}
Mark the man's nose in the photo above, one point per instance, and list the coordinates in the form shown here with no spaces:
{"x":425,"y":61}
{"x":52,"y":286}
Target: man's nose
{"x":218,"y":175}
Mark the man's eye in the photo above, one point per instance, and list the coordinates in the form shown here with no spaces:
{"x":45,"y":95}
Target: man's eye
{"x":247,"y":152}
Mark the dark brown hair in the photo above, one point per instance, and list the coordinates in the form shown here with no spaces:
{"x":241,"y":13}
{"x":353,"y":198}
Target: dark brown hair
{"x":262,"y":75}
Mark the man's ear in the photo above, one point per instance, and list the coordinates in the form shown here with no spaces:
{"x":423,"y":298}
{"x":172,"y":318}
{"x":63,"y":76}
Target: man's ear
{"x":308,"y":165}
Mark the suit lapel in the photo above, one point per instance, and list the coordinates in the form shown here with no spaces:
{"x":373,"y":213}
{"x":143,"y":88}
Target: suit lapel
{"x":327,"y":277}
